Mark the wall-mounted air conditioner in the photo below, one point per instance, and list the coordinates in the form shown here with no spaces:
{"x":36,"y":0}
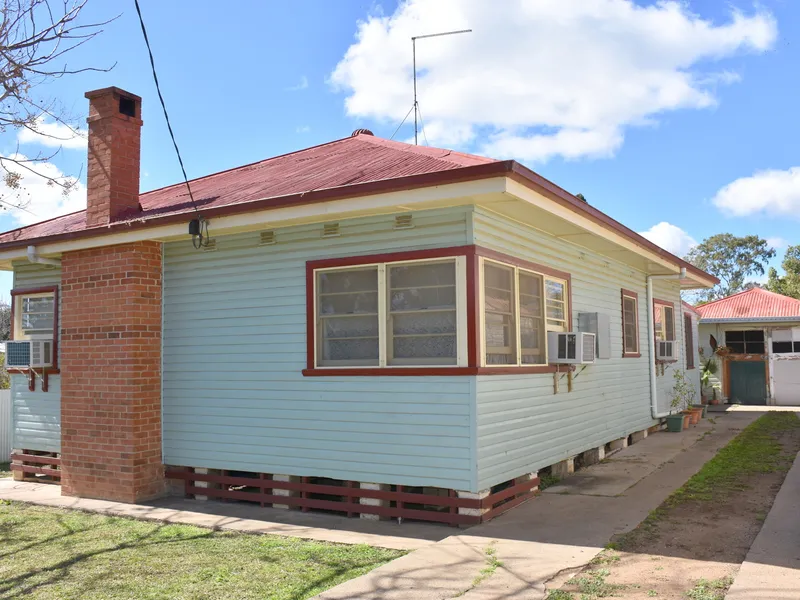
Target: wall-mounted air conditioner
{"x":571,"y":348}
{"x":665,"y":350}
{"x":29,"y":353}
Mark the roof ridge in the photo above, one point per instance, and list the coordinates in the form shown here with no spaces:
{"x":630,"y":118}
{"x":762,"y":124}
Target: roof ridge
{"x":425,"y":150}
{"x":728,"y":297}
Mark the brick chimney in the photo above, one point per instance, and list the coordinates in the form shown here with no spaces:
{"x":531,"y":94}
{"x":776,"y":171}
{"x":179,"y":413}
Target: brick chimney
{"x":112,"y":178}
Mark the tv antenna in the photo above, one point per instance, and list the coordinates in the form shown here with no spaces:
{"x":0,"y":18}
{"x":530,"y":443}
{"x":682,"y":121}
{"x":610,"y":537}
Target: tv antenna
{"x":414,"y":59}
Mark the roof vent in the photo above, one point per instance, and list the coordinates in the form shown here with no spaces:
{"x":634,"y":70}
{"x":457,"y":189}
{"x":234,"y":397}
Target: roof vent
{"x":330,"y":230}
{"x":403,"y":222}
{"x":361,"y":132}
{"x":211,"y":246}
{"x":267,"y":238}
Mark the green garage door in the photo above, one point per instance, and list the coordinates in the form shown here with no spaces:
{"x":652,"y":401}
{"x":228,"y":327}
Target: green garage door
{"x":748,"y":382}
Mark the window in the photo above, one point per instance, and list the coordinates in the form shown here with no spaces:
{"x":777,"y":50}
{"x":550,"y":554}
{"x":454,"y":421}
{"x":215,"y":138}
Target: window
{"x":34,"y":315}
{"x":519,"y":307}
{"x":745,"y":342}
{"x":689,"y":338}
{"x":630,"y":323}
{"x":664,"y":321}
{"x":390,"y":314}
{"x":786,"y":341}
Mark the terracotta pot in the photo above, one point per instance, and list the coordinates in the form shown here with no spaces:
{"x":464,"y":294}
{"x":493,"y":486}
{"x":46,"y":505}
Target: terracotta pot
{"x":715,"y":401}
{"x":696,"y":414}
{"x":686,"y":419}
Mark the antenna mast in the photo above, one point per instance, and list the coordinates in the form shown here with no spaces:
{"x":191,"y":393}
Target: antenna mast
{"x":414,"y":60}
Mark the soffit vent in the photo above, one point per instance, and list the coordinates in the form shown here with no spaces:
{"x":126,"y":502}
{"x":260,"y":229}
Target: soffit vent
{"x":403,"y":222}
{"x":330,"y":230}
{"x":211,"y":246}
{"x":267,"y":238}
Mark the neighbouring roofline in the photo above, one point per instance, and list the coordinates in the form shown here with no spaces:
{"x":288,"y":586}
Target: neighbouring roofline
{"x":507,"y":168}
{"x":790,"y":319}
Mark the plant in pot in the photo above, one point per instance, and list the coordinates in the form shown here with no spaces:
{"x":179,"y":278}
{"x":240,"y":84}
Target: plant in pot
{"x":682,"y":394}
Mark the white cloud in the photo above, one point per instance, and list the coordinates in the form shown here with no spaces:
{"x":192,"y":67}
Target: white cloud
{"x":302,"y":129}
{"x":544,"y":77}
{"x":778,"y":243}
{"x":300,"y":86}
{"x":53,"y":134}
{"x":772,"y":193}
{"x":41,"y":200}
{"x":670,"y":237}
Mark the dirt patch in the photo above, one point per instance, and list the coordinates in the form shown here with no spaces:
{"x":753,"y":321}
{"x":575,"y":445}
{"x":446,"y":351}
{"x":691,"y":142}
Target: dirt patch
{"x":692,"y":546}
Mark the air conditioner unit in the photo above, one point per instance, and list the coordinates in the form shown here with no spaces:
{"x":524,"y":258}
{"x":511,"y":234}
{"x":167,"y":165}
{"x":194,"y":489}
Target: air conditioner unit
{"x":32,"y":353}
{"x":665,"y":350}
{"x":571,"y":348}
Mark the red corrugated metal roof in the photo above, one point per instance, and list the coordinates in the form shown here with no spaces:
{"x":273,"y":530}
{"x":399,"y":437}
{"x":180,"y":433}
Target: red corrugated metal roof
{"x":357,"y":159}
{"x":755,"y":303}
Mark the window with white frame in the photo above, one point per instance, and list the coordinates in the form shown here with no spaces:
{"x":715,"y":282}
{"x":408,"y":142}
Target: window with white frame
{"x":664,"y":322}
{"x":519,"y":307}
{"x":410,"y":313}
{"x":34,"y":316}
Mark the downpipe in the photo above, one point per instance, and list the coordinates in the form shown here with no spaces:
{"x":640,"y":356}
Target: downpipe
{"x":33,"y":257}
{"x":651,"y":329}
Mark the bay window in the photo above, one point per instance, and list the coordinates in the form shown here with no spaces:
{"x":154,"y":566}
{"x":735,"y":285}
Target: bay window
{"x":519,"y":307}
{"x":391,"y":314}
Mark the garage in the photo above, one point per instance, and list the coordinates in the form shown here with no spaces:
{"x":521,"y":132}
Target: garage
{"x":785,"y":366}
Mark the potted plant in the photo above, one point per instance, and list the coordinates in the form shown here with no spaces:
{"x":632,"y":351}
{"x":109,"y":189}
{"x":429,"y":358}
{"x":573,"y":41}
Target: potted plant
{"x":722,"y":351}
{"x":682,"y":395}
{"x":708,"y":368}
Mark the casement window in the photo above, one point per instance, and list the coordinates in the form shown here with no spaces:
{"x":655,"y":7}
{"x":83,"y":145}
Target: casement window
{"x":398,"y":314}
{"x":34,"y":315}
{"x":519,"y":307}
{"x":630,"y":324}
{"x":689,"y":339}
{"x":664,"y":321}
{"x":745,"y":342}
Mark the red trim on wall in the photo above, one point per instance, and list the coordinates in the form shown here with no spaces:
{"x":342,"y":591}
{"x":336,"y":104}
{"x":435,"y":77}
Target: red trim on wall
{"x":46,"y":289}
{"x":635,"y":296}
{"x":473,"y":367}
{"x":688,"y":336}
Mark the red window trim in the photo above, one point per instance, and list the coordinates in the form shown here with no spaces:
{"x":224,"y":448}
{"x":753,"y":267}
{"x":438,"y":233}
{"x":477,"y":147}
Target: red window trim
{"x":635,"y":296}
{"x":472,"y":253}
{"x":674,"y":313}
{"x":47,"y":289}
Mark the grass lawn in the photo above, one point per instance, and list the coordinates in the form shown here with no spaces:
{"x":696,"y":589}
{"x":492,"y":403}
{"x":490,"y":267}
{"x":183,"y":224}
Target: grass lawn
{"x":51,"y":553}
{"x":5,"y":469}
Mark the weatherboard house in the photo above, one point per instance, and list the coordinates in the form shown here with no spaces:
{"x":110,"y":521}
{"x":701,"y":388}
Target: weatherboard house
{"x":370,"y":327}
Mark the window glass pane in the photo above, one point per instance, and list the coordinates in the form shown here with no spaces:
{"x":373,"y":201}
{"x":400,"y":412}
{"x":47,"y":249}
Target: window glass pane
{"x":38,"y":314}
{"x":782,"y":347}
{"x":736,"y":347}
{"x":499,"y":317}
{"x":754,"y":336}
{"x":631,"y":344}
{"x":422,"y":307}
{"x":556,"y":305}
{"x":797,"y":346}
{"x":669,"y":322}
{"x":734,"y":336}
{"x":347,"y":305}
{"x":754,"y":347}
{"x":531,"y":326}
{"x":689,"y":341}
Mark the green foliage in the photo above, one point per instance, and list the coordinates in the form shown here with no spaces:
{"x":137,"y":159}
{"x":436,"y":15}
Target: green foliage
{"x":710,"y":590}
{"x":5,"y":469}
{"x":547,"y":480}
{"x":683,"y":392}
{"x":708,"y":368}
{"x":732,"y":259}
{"x":789,"y":284}
{"x":50,"y":553}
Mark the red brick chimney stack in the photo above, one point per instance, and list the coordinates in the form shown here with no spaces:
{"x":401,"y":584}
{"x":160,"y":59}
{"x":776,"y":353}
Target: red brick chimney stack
{"x":112,"y":180}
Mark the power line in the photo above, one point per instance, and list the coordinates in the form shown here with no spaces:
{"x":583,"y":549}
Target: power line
{"x":164,"y":106}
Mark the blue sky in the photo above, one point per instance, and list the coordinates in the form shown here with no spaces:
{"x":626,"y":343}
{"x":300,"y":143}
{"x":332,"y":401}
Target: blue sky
{"x":648,"y":109}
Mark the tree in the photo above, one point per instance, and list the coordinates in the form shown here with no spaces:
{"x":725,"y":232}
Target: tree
{"x":789,"y":284}
{"x":36,"y":37}
{"x":731,"y":259}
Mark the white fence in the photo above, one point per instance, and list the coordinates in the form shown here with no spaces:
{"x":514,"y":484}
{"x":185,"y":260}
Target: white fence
{"x":6,"y":426}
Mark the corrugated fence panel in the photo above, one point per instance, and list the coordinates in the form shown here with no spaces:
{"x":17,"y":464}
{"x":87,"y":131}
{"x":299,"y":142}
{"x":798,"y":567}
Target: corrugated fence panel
{"x":36,"y":415}
{"x":6,"y":425}
{"x":234,"y":396}
{"x":522,"y":425}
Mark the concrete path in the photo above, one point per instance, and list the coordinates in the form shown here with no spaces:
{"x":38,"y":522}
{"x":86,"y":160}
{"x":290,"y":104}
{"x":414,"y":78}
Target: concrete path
{"x":546,"y":539}
{"x":771,"y":570}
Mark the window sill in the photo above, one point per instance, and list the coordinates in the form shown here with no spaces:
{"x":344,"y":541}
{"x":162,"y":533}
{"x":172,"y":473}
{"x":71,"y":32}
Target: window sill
{"x":37,"y":370}
{"x":666,"y":362}
{"x":431,"y":371}
{"x":632,"y":355}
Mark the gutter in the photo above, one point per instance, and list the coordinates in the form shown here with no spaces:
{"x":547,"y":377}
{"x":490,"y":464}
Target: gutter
{"x":651,"y":328}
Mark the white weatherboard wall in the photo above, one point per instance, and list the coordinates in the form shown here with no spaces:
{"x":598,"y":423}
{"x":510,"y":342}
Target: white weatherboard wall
{"x":234,"y":341}
{"x":36,"y":415}
{"x":6,"y":425}
{"x":522,"y":425}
